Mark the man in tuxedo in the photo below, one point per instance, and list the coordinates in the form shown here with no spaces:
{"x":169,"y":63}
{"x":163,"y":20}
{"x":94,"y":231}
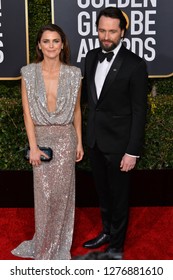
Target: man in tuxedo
{"x":115,"y":83}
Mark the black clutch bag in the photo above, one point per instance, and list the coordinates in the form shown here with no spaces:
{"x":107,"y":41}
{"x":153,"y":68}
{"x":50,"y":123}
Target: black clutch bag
{"x":47,"y":150}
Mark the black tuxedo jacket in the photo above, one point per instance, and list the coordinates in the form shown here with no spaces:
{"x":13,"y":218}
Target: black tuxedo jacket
{"x":116,"y":121}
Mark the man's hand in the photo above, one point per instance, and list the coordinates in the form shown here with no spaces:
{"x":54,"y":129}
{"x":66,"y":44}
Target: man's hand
{"x":127,"y":163}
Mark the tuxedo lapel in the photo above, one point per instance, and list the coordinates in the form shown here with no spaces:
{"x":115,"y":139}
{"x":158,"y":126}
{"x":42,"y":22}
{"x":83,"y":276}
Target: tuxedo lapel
{"x":115,"y":67}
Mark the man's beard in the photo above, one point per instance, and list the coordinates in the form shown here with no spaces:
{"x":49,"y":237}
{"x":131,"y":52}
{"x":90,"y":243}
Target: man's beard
{"x":108,"y":48}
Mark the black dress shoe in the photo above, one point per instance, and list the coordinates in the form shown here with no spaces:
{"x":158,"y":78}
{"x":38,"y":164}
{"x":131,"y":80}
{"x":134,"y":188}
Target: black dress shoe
{"x":98,"y":241}
{"x":114,"y":254}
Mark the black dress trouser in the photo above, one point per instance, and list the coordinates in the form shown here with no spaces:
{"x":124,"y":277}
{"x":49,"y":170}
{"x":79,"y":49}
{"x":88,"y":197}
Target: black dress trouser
{"x":112,"y":186}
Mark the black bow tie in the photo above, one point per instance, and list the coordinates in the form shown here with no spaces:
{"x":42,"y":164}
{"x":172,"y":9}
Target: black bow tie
{"x":107,"y":55}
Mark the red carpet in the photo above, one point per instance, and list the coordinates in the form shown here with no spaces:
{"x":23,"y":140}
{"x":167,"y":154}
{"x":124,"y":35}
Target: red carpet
{"x":149,"y":234}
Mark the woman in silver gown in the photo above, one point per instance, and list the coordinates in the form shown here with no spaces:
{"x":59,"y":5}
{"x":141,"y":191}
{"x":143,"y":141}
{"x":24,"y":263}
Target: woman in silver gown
{"x":52,"y":116}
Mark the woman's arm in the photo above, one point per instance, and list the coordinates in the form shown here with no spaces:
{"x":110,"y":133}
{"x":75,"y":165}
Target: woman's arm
{"x":78,"y":127}
{"x":35,"y":152}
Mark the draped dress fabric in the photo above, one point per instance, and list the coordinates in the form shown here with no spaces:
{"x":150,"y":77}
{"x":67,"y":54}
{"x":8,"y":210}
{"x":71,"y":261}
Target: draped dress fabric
{"x":54,"y":181}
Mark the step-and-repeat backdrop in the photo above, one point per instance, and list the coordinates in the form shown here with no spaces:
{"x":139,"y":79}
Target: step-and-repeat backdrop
{"x":149,"y":34}
{"x":13,"y":38}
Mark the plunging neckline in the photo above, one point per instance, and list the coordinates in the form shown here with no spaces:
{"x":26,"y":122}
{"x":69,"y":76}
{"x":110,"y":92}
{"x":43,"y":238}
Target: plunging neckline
{"x":44,"y":91}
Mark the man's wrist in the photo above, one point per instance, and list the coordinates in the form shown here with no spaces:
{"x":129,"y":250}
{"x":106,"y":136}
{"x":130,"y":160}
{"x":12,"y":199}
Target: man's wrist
{"x":133,"y":156}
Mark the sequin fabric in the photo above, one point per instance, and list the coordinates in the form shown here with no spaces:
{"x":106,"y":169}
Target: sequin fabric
{"x":54,"y":181}
{"x":68,"y":86}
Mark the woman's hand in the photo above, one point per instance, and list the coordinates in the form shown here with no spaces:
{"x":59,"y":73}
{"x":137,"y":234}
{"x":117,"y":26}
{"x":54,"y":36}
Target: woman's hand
{"x":79,"y":152}
{"x":35,"y":156}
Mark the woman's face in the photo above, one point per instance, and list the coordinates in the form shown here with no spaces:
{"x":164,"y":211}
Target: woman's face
{"x":50,"y":44}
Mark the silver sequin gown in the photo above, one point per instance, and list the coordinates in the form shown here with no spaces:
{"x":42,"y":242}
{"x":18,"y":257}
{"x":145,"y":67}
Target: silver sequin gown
{"x":54,"y":181}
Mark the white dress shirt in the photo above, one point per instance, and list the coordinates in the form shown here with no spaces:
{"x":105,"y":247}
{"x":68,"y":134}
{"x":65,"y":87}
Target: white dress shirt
{"x":103,"y":69}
